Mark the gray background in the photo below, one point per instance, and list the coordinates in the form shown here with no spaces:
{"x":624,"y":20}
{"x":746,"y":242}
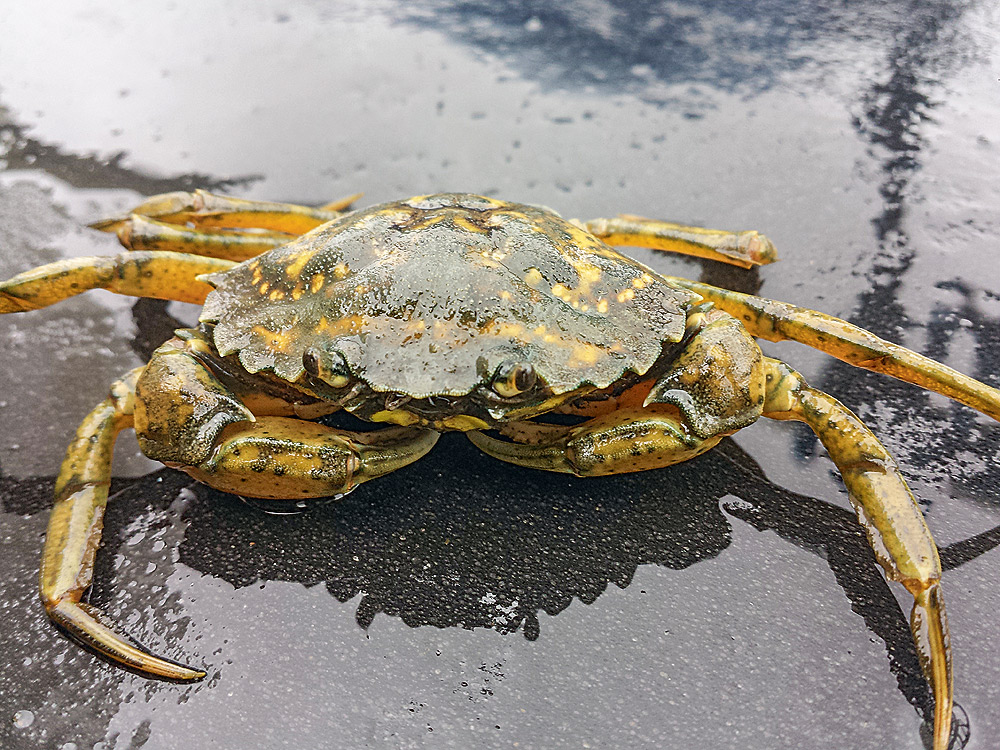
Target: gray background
{"x":728,"y":603}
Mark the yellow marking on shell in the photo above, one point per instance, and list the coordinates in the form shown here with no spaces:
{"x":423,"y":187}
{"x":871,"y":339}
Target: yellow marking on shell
{"x":428,"y":221}
{"x":585,"y":355}
{"x":341,"y":270}
{"x":395,"y":416}
{"x":298,"y":291}
{"x":257,"y":275}
{"x":506,"y":296}
{"x":293,"y":269}
{"x":340,"y":326}
{"x":492,"y":201}
{"x":505,"y":328}
{"x":495,"y":253}
{"x":584,"y":240}
{"x":279,"y":341}
{"x":264,"y":287}
{"x":582,"y":296}
{"x":462,"y":222}
{"x":276,"y":294}
{"x":316,"y":283}
{"x":533,"y":277}
{"x":441,"y":330}
{"x":589,"y":275}
{"x":462,"y":423}
{"x":602,"y":305}
{"x":626,"y":295}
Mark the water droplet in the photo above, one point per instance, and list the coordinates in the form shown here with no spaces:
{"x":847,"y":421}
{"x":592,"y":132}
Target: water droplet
{"x":23,"y":719}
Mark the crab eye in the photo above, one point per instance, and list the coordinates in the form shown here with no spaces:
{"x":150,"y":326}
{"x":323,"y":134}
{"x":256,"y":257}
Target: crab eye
{"x":513,"y":378}
{"x":331,"y":369}
{"x":312,"y":361}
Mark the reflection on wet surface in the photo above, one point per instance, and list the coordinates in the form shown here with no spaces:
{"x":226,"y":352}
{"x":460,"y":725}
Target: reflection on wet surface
{"x":855,"y":136}
{"x":477,"y":559}
{"x":728,"y":45}
{"x":890,"y":117}
{"x":20,"y":151}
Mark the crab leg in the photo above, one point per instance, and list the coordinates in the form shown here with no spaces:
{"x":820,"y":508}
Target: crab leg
{"x":171,"y":276}
{"x":889,"y":514}
{"x":141,"y":233}
{"x":74,"y":534}
{"x":204,"y":429}
{"x":204,"y":209}
{"x":780,"y":321}
{"x":746,"y":249}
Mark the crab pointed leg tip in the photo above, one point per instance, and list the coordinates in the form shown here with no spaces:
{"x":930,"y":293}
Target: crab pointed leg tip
{"x":341,"y":204}
{"x":193,"y":675}
{"x":942,"y":728}
{"x":159,"y":666}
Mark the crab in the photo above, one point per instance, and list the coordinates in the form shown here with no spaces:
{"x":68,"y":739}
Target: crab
{"x":453,"y":312}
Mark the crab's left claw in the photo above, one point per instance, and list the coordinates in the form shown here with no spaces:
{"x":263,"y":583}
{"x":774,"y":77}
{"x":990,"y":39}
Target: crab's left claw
{"x":74,"y":534}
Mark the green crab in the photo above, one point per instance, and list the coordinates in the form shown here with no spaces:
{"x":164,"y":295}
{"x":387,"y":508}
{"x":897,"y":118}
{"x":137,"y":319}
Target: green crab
{"x":455,"y":312}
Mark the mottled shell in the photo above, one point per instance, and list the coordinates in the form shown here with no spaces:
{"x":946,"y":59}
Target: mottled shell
{"x":428,"y":296}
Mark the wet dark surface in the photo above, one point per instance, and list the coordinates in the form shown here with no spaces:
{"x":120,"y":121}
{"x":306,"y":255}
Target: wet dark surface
{"x":727,"y":603}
